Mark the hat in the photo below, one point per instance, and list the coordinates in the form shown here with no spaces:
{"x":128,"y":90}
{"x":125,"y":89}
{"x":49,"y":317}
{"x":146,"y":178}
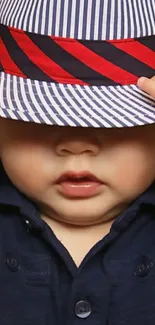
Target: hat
{"x":77,"y":62}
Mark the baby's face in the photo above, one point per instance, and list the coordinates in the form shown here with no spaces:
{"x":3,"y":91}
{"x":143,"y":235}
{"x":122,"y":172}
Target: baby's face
{"x":34,"y":156}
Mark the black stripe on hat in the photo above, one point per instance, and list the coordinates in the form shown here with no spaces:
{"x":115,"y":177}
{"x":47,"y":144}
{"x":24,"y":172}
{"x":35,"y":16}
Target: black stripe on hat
{"x":1,"y":67}
{"x":118,"y":57}
{"x":68,"y":62}
{"x":20,"y":59}
{"x":148,"y":42}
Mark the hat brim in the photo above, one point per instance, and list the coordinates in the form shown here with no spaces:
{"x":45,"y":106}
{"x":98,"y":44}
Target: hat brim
{"x":74,"y":105}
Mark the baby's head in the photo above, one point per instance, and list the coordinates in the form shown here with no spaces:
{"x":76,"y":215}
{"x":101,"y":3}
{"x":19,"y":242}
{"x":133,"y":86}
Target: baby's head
{"x":76,"y":67}
{"x":35,"y":156}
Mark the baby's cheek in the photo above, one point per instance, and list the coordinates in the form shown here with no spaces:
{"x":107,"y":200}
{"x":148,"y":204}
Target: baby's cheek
{"x":132,"y":171}
{"x":25,"y":169}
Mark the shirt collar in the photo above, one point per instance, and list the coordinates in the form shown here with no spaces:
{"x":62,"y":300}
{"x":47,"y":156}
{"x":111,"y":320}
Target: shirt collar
{"x":11,"y":196}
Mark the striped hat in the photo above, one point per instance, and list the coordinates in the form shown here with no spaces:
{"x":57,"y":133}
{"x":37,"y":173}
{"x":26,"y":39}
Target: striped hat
{"x":77,"y":62}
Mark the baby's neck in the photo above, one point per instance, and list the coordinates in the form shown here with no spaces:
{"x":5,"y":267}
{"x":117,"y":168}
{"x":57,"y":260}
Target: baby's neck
{"x":74,"y":237}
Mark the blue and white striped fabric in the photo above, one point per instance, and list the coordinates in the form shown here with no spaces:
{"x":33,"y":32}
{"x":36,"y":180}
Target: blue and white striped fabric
{"x":81,"y":19}
{"x":76,"y":105}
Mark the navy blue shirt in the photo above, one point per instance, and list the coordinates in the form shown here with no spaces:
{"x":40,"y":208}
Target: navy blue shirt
{"x":41,"y":285}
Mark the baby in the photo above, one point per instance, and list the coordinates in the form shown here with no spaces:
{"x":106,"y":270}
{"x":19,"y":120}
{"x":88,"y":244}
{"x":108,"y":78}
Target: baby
{"x":77,"y":202}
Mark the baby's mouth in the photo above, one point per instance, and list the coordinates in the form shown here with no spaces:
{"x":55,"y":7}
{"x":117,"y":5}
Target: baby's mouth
{"x":83,"y":184}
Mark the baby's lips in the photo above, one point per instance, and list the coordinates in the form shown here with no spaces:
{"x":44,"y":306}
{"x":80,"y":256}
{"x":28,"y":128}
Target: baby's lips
{"x":71,"y":175}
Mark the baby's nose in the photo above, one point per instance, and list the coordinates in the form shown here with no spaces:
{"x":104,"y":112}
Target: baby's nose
{"x":77,"y":147}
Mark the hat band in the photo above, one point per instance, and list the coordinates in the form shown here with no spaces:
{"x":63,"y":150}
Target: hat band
{"x":71,"y":61}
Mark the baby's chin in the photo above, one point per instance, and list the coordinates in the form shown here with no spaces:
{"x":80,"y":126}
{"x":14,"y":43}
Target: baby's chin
{"x":79,"y":211}
{"x":79,"y":214}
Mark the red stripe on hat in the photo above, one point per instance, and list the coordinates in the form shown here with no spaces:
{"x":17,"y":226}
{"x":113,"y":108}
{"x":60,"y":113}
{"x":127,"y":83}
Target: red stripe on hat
{"x":6,"y":61}
{"x":137,"y":50}
{"x":96,"y":62}
{"x":41,"y":60}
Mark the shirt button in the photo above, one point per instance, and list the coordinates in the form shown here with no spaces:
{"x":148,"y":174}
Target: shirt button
{"x":12,"y":263}
{"x":144,"y":267}
{"x":82,"y":309}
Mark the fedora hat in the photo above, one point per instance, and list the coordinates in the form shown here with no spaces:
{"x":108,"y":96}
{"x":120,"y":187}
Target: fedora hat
{"x":77,"y":62}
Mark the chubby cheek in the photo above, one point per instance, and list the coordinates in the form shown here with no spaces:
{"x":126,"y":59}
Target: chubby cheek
{"x":26,"y":167}
{"x":133,"y":172}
